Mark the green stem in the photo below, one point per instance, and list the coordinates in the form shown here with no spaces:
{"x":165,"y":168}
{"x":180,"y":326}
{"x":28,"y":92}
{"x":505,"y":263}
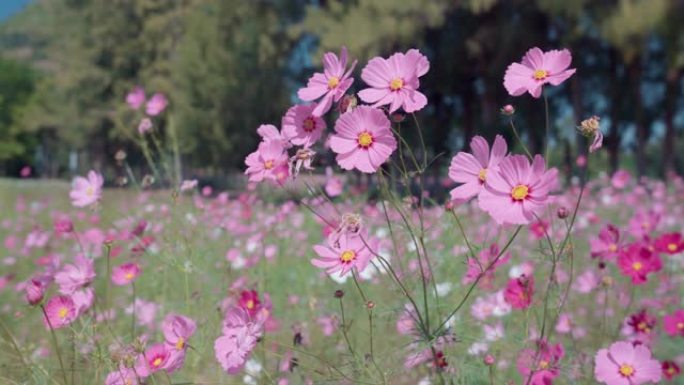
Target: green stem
{"x":55,"y":344}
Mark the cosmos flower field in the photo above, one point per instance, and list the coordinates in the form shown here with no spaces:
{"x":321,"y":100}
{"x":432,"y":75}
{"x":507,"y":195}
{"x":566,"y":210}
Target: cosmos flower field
{"x":513,"y":278}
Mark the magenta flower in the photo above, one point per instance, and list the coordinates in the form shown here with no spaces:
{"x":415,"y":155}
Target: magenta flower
{"x":670,"y":243}
{"x":136,"y":97}
{"x":350,"y":252}
{"x":637,"y":261}
{"x":240,"y":337}
{"x":177,"y":330}
{"x":517,"y":192}
{"x":607,"y":246}
{"x":331,"y":84}
{"x":394,"y":81}
{"x":641,"y":323}
{"x":76,"y":276}
{"x":125,"y":274}
{"x":266,"y":161}
{"x":363,"y":139}
{"x":519,"y":292}
{"x":626,"y":364}
{"x":153,"y":359}
{"x":60,"y":312}
{"x":156,"y":105}
{"x":85,"y":192}
{"x":542,"y":362}
{"x":674,"y":323}
{"x":249,"y":301}
{"x":301,"y":127}
{"x":538,"y":68}
{"x":471,"y":169}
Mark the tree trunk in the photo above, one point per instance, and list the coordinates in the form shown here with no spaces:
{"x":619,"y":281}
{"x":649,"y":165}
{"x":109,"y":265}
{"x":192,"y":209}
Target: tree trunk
{"x":635,"y":72}
{"x":613,"y":138}
{"x":671,"y":94}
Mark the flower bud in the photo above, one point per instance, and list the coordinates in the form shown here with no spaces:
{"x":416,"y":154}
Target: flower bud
{"x":35,"y":291}
{"x":507,"y":110}
{"x":370,"y":304}
{"x":489,"y":360}
{"x":562,"y":212}
{"x":339,"y":293}
{"x":63,"y":225}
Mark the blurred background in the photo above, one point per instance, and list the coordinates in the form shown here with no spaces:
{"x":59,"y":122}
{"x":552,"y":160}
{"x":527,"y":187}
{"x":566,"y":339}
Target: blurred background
{"x":228,"y":66}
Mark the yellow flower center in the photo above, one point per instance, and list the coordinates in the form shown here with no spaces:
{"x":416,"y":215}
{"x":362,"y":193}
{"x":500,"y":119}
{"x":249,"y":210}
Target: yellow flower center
{"x":129,"y":276}
{"x":309,"y":124}
{"x":482,"y":175}
{"x":643,"y":326}
{"x":637,"y":266}
{"x":540,"y":74}
{"x":612,"y":248}
{"x":543,"y":364}
{"x":62,"y":313}
{"x":90,"y":191}
{"x":365,"y":139}
{"x":680,"y":325}
{"x":671,"y":370}
{"x":626,"y":370}
{"x":333,"y":82}
{"x":180,"y":344}
{"x":520,"y":192}
{"x":396,"y":84}
{"x":157,"y":361}
{"x":268,"y":164}
{"x":347,"y":256}
{"x":672,"y":247}
{"x":645,"y":225}
{"x":250,"y":304}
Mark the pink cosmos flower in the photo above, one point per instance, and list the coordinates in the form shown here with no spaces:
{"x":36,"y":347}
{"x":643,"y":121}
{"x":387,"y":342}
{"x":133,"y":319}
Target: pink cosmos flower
{"x":670,"y":243}
{"x":83,"y":300}
{"x":620,"y":179}
{"x":125,"y":274}
{"x":485,"y":258}
{"x":538,"y":68}
{"x":60,"y":312}
{"x":122,"y":376}
{"x":333,"y":184}
{"x":249,"y":301}
{"x":670,"y":370}
{"x":301,"y":127}
{"x":240,"y":337}
{"x":350,"y":252}
{"x":637,"y":261}
{"x":626,"y":364}
{"x":542,"y":362}
{"x":331,"y":84}
{"x":517,"y":192}
{"x":156,"y":105}
{"x":153,"y":359}
{"x":640,"y":323}
{"x":643,"y":223}
{"x":34,"y":291}
{"x":394,"y":81}
{"x":136,"y":97}
{"x":269,"y":132}
{"x":85,"y":192}
{"x":674,"y":323}
{"x":76,"y":276}
{"x":472,"y":169}
{"x":177,"y":330}
{"x":607,"y":246}
{"x":328,"y":324}
{"x":363,"y":139}
{"x":519,"y":292}
{"x":145,"y":126}
{"x":266,"y":161}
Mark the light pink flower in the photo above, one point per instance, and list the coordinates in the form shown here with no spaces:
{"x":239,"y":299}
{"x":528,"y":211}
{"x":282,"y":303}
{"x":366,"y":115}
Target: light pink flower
{"x":301,"y":127}
{"x":607,"y":246}
{"x":76,"y":276}
{"x":394,"y":81}
{"x":626,"y":364}
{"x":333,"y":184}
{"x":122,"y":376}
{"x":620,"y":179}
{"x":144,"y":126}
{"x":350,"y":252}
{"x":331,"y":84}
{"x":34,"y":291}
{"x":156,"y":105}
{"x":85,"y":192}
{"x":328,"y":324}
{"x":177,"y":330}
{"x":60,"y":312}
{"x":136,"y":97}
{"x":269,"y":132}
{"x":266,"y":161}
{"x":471,"y":169}
{"x":83,"y":300}
{"x":363,"y":139}
{"x":125,"y":274}
{"x":538,"y":68}
{"x":240,"y":337}
{"x":517,"y":192}
{"x":543,"y":363}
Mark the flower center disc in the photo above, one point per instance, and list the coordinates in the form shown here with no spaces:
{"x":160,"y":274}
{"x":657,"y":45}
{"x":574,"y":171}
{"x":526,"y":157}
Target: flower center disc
{"x":333,"y":82}
{"x":520,"y":192}
{"x":63,"y":312}
{"x":309,"y":124}
{"x":365,"y":139}
{"x":396,"y":84}
{"x":540,"y":74}
{"x":347,"y":256}
{"x":482,"y":175}
{"x":268,"y":164}
{"x":637,"y":266}
{"x":672,"y":247}
{"x":626,"y":370}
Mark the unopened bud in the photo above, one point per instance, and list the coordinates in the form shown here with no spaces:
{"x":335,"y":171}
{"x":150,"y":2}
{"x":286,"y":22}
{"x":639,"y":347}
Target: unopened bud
{"x":563,"y":213}
{"x":370,"y":304}
{"x":489,"y":360}
{"x":508,"y":110}
{"x":339,"y":293}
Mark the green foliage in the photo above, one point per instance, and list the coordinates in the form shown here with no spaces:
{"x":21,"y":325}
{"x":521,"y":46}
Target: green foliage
{"x":16,"y":85}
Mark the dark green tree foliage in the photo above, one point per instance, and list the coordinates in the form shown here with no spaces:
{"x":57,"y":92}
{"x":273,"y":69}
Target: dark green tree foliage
{"x":16,"y":86}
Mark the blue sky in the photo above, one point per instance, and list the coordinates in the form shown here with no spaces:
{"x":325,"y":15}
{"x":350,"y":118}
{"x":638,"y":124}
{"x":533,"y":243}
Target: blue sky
{"x":10,"y":7}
